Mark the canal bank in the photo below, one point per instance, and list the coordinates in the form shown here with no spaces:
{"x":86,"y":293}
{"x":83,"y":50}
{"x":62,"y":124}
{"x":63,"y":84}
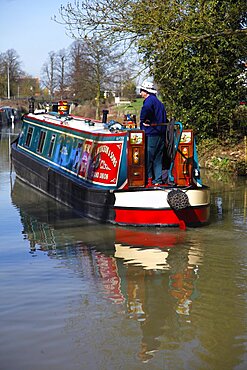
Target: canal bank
{"x":226,"y":156}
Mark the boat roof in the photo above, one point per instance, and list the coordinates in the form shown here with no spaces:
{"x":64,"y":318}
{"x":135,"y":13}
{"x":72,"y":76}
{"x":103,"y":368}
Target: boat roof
{"x":7,"y":107}
{"x":73,"y":122}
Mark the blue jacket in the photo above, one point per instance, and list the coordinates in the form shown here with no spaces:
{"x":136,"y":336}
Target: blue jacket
{"x":154,"y":112}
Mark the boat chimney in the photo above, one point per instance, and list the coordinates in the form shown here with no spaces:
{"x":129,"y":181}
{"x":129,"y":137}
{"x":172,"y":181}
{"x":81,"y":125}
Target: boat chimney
{"x":63,"y":107}
{"x":104,"y":119}
{"x":31,"y":104}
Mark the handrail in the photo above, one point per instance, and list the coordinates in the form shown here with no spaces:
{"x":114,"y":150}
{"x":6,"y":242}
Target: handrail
{"x":177,"y":139}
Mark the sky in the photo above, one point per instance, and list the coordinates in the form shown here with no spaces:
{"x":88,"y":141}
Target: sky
{"x":26,"y":26}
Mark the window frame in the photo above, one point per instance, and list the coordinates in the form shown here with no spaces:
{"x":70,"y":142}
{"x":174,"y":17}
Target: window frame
{"x":51,"y":145}
{"x":41,"y":142}
{"x":29,"y":136}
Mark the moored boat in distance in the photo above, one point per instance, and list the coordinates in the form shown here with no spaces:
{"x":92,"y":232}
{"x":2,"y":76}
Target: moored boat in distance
{"x":98,"y":169}
{"x":8,"y":116}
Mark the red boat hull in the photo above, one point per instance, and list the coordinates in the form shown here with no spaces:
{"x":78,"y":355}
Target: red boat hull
{"x":194,"y":216}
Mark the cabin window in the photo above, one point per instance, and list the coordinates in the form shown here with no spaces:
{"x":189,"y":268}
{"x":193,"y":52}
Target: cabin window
{"x":77,"y":156}
{"x":52,"y":142}
{"x":29,"y":136}
{"x":41,"y":141}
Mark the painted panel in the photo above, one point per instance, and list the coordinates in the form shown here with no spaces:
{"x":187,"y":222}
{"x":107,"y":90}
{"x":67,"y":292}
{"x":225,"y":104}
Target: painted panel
{"x":100,"y":161}
{"x":96,"y":159}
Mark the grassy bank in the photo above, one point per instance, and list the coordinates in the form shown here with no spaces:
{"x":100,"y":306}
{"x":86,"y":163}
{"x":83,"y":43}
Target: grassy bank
{"x":224,"y":156}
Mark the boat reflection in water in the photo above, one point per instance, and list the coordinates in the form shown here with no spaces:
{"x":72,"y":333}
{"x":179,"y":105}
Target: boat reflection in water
{"x":151,"y":273}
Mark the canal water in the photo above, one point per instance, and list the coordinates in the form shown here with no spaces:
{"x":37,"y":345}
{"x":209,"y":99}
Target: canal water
{"x":78,"y":295}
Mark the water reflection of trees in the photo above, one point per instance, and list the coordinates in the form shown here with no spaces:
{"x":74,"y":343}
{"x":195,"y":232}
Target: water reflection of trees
{"x":155,"y":285}
{"x":7,"y":135}
{"x":228,"y":196}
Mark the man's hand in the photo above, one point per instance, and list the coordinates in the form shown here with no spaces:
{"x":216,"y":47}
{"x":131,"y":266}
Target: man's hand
{"x":146,"y":123}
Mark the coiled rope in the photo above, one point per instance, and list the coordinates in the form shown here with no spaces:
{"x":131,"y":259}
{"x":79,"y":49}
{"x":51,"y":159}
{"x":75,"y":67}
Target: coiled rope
{"x":177,"y":199}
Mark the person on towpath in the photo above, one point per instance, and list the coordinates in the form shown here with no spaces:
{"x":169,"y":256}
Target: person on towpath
{"x":152,"y":121}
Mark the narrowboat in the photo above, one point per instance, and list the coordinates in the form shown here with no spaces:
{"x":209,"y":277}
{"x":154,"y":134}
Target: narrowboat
{"x":8,"y":116}
{"x":97,"y":167}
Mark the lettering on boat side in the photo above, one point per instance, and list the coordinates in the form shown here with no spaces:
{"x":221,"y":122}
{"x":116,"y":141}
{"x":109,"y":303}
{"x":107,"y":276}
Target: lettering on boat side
{"x":105,"y":149}
{"x":101,"y":176}
{"x":100,"y":162}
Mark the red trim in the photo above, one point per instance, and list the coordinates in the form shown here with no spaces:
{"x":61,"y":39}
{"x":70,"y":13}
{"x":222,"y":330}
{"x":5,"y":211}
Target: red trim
{"x":167,"y":217}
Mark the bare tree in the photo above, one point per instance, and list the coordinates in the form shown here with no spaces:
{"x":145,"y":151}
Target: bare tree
{"x":79,"y":78}
{"x":91,"y":62}
{"x":101,"y":59}
{"x":112,"y":19}
{"x":10,"y":71}
{"x":61,"y":69}
{"x":49,"y":74}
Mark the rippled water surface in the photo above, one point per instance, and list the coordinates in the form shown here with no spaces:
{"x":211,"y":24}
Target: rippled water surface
{"x":79,"y":295}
